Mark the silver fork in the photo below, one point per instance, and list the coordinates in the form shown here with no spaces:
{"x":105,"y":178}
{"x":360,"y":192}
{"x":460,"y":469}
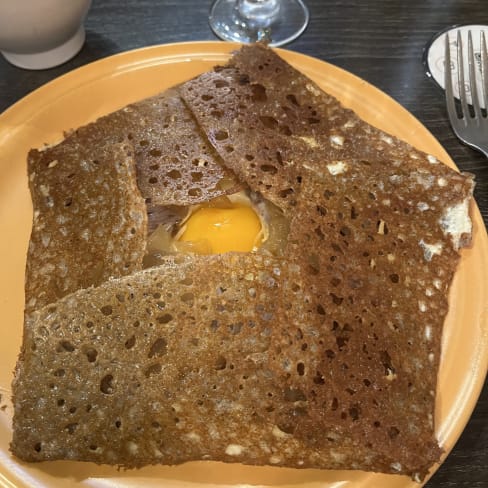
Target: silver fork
{"x":470,"y":126}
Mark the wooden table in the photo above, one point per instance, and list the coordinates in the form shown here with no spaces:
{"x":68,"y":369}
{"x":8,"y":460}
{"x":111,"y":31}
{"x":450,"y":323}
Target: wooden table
{"x":381,"y":41}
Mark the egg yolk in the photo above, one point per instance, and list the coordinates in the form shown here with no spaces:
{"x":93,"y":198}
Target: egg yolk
{"x":220,"y":230}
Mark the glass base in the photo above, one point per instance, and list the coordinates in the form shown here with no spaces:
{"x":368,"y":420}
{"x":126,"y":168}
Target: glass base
{"x":52,"y":57}
{"x":283,"y":24}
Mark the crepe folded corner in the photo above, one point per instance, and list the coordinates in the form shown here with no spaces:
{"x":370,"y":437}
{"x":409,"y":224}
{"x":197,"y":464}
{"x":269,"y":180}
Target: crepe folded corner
{"x":324,"y":355}
{"x":89,"y":218}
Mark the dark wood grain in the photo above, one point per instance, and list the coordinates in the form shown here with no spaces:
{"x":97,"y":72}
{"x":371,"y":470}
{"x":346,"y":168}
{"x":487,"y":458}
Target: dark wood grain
{"x":381,"y":41}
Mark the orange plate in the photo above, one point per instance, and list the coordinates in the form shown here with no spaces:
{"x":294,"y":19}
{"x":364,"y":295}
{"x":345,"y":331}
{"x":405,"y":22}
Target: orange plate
{"x":106,"y":85}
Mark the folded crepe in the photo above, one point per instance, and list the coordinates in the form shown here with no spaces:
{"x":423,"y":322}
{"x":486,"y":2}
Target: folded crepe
{"x":89,"y":218}
{"x":97,"y":193}
{"x":325,"y":356}
{"x":175,"y":163}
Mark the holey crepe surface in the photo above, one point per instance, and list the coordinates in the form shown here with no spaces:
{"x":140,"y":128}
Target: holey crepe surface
{"x":451,"y":407}
{"x":368,"y":211}
{"x":353,"y":375}
{"x":82,"y":194}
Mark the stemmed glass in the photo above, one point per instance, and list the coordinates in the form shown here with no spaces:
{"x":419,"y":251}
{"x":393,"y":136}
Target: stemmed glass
{"x":275,"y":21}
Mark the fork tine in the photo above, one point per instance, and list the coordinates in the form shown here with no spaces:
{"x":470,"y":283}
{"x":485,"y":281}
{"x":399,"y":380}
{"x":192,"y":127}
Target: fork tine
{"x":472,"y":78}
{"x":471,"y":128}
{"x":451,"y":107}
{"x":461,"y":87}
{"x":484,"y":67}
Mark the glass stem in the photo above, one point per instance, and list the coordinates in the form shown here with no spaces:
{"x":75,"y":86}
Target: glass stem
{"x":258,"y":11}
